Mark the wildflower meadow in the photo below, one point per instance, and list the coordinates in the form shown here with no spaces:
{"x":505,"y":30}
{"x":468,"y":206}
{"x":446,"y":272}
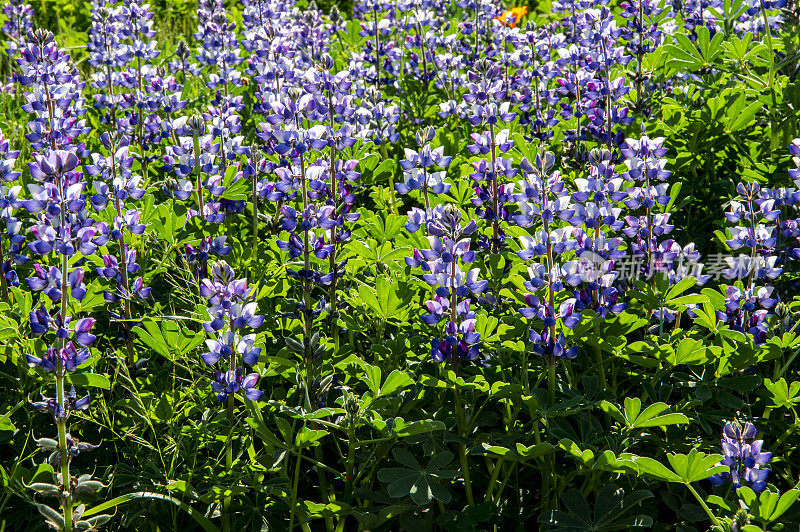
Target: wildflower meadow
{"x":400,"y":265}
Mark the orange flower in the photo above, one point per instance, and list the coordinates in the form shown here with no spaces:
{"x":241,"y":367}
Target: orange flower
{"x":517,"y":12}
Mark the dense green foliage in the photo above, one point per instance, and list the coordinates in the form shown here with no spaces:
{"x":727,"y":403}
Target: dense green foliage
{"x":371,"y":432}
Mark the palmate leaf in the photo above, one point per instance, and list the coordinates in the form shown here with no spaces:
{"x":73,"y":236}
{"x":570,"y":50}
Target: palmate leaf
{"x":686,"y":468}
{"x":308,"y":437}
{"x":421,"y":484}
{"x":686,"y":54}
{"x":653,"y":468}
{"x":690,"y":352}
{"x":770,"y":505}
{"x":783,"y":394}
{"x":390,"y":299}
{"x":401,"y":428}
{"x":606,"y":461}
{"x":394,"y":382}
{"x":696,"y":465}
{"x":611,"y":511}
{"x":167,"y":338}
{"x":633,"y":417}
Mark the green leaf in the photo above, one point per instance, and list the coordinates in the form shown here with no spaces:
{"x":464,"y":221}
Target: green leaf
{"x":744,"y":117}
{"x":401,"y":429}
{"x":421,"y":484}
{"x":690,"y":352}
{"x":610,"y":511}
{"x":680,"y":303}
{"x":770,"y":505}
{"x":585,"y":456}
{"x":307,"y":437}
{"x":743,"y":383}
{"x":786,"y":501}
{"x":368,"y":296}
{"x":782,"y":394}
{"x":680,"y":287}
{"x":5,"y":421}
{"x":633,"y":417}
{"x":88,"y":380}
{"x":696,"y":465}
{"x":198,"y":517}
{"x":153,"y":338}
{"x":372,"y":377}
{"x":654,"y":468}
{"x":534,"y":451}
{"x":395,"y":381}
{"x":652,"y":417}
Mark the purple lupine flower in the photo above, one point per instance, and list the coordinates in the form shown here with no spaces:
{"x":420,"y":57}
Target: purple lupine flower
{"x":18,"y":22}
{"x":549,"y":346}
{"x":49,"y":282}
{"x":542,"y":203}
{"x":9,"y":201}
{"x":760,"y":232}
{"x":222,"y":349}
{"x":450,"y":246}
{"x":418,"y":173}
{"x":49,"y":405}
{"x":230,"y":311}
{"x":198,"y":256}
{"x":68,"y":358}
{"x":232,"y":382}
{"x":745,"y":458}
{"x":219,"y":48}
{"x":53,"y":92}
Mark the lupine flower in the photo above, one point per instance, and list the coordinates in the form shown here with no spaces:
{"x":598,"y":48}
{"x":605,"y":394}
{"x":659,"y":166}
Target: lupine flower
{"x":745,"y":459}
{"x":232,"y":382}
{"x":449,"y":247}
{"x":48,"y":405}
{"x":418,"y":166}
{"x":10,"y":252}
{"x":68,"y":358}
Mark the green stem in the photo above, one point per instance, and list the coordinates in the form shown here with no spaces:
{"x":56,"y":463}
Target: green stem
{"x":3,"y":286}
{"x":62,"y":445}
{"x":703,"y":504}
{"x":551,"y":381}
{"x":493,"y":479}
{"x":351,"y":466}
{"x":499,"y":493}
{"x":462,"y":448}
{"x":525,"y":381}
{"x":226,"y":503}
{"x":60,"y":374}
{"x":323,"y":487}
{"x":295,"y":484}
{"x":254,"y":256}
{"x":786,"y":366}
{"x":598,"y":353}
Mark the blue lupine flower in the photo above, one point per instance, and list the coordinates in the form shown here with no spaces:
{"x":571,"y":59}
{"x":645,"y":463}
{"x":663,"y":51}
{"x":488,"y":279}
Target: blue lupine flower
{"x":745,"y":459}
{"x":232,"y":382}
